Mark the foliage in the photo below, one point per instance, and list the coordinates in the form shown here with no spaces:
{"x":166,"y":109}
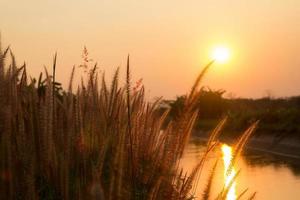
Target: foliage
{"x":278,"y":117}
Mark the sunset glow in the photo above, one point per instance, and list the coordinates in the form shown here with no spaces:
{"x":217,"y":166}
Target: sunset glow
{"x":221,"y":54}
{"x":162,"y":39}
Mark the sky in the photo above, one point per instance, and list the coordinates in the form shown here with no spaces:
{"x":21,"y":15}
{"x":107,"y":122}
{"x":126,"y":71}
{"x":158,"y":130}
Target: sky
{"x":169,"y":41}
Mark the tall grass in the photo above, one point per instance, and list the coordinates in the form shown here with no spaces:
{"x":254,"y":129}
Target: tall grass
{"x":95,"y":142}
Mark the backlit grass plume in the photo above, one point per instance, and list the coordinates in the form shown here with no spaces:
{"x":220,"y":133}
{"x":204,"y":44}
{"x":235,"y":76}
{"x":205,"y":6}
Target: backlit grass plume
{"x":96,"y":142}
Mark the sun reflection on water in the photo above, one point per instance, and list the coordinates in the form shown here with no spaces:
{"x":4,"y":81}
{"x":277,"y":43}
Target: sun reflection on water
{"x":227,"y":157}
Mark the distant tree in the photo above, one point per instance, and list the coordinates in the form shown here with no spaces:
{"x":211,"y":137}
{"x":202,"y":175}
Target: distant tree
{"x":211,"y":103}
{"x":177,"y":105}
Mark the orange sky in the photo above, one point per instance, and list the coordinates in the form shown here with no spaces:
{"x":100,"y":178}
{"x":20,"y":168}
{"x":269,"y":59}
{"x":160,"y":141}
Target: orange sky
{"x":169,"y":41}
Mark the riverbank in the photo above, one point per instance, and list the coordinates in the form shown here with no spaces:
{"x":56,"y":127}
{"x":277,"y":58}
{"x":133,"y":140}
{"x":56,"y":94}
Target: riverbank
{"x":288,"y":148}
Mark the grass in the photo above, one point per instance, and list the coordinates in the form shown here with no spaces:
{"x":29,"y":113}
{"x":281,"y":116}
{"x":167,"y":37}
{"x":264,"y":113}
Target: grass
{"x":95,"y":142}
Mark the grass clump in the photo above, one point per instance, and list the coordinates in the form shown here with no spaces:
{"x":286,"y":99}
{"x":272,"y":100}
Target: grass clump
{"x":96,"y":142}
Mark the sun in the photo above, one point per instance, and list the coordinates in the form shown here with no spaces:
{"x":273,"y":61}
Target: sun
{"x":221,"y":54}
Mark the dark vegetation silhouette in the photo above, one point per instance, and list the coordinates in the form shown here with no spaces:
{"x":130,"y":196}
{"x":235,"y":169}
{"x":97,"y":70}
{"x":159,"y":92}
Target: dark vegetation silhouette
{"x":279,"y":117}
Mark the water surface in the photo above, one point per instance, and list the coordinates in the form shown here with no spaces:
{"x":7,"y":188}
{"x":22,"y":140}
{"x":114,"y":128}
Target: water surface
{"x":272,"y":178}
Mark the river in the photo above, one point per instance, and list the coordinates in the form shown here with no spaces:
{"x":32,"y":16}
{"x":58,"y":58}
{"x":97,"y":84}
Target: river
{"x":272,"y":178}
